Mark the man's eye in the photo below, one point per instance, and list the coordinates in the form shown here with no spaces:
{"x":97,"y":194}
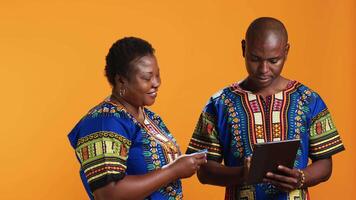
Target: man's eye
{"x":273,"y":61}
{"x":254,"y":59}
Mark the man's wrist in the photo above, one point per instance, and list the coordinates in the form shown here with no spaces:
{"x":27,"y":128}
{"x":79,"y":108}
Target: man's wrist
{"x":301,"y":181}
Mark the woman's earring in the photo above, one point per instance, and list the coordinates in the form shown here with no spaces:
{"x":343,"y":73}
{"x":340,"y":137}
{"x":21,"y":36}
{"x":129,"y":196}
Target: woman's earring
{"x":122,"y":92}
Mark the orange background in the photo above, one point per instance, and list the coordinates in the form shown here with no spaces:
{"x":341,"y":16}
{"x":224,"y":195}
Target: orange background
{"x":52,"y":60}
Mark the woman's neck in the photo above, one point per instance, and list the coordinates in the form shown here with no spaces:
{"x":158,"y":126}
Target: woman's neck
{"x":136,"y":111}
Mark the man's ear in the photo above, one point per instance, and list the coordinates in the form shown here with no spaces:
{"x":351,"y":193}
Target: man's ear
{"x":287,"y":49}
{"x":243,"y":46}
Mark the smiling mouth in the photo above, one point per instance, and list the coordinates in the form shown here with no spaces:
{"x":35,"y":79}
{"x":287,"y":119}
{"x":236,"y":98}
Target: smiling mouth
{"x":152,"y":94}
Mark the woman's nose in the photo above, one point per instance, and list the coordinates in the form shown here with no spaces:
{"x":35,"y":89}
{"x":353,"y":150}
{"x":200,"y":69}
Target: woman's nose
{"x":156,"y":82}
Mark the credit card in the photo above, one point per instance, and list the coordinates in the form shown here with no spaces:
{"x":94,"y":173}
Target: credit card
{"x":203,"y":151}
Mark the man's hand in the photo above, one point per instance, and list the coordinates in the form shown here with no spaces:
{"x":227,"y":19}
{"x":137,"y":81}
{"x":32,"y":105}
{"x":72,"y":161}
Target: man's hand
{"x":246,"y":169}
{"x":285,"y":179}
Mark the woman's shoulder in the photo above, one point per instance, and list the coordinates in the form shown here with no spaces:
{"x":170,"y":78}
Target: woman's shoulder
{"x":106,"y":108}
{"x":106,"y":117}
{"x":108,"y":114}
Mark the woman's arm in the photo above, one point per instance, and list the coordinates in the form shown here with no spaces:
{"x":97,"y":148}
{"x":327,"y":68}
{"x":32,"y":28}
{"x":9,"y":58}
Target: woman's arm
{"x":141,"y":186}
{"x":317,"y":172}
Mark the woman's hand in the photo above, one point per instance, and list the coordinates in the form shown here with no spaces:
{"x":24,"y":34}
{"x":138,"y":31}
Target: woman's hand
{"x":141,"y":186}
{"x":285,"y":179}
{"x":187,"y":165}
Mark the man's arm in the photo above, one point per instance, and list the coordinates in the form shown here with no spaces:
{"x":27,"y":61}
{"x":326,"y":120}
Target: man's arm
{"x":214,"y":173}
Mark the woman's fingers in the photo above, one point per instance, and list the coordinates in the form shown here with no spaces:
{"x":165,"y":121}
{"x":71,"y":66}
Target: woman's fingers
{"x":202,"y":161}
{"x":199,"y":155}
{"x":199,"y":158}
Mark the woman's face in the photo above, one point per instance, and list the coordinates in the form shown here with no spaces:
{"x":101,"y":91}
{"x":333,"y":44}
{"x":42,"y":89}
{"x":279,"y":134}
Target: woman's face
{"x":141,"y":86}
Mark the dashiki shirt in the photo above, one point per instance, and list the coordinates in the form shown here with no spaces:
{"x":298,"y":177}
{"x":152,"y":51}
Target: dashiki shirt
{"x":109,"y":144}
{"x":235,"y":119}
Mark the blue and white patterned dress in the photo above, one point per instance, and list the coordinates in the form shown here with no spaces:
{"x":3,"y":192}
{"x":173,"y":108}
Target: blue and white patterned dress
{"x":110,"y":144}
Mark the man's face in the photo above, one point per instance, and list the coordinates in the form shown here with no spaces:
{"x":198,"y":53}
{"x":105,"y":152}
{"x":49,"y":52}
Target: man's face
{"x":264,"y":58}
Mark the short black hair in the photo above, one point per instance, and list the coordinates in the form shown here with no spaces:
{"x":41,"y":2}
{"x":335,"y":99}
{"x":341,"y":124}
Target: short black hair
{"x":122,"y":53}
{"x":266,"y":24}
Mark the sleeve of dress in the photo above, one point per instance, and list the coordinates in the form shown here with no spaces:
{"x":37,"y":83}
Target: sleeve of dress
{"x":205,"y":135}
{"x":325,"y":140}
{"x":102,"y":149}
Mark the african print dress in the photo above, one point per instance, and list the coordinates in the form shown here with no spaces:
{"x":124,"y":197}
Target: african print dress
{"x":109,"y":144}
{"x":234,"y":120}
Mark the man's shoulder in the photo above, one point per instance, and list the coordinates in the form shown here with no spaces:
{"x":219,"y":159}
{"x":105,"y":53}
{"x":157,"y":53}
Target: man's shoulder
{"x":221,"y":93}
{"x":300,"y":86}
{"x":303,"y":89}
{"x":221,"y":96}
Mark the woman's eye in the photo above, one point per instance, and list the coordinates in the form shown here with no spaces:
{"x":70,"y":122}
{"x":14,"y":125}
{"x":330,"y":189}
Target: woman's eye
{"x":147,"y":77}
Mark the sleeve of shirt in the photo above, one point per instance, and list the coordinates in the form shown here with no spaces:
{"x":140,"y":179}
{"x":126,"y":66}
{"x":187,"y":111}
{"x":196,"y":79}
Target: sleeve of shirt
{"x":205,"y":135}
{"x":102,"y":149}
{"x":325,"y":140}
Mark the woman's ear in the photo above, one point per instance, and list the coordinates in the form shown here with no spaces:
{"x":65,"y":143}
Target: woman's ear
{"x":119,"y":80}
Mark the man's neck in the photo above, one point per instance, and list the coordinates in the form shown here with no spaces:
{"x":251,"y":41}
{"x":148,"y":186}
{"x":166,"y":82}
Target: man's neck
{"x":279,"y":84}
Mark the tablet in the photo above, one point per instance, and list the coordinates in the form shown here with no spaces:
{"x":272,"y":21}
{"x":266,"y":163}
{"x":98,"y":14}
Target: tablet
{"x":267,"y":156}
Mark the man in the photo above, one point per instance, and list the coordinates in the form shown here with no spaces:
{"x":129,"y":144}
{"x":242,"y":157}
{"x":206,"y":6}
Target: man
{"x":265,"y":107}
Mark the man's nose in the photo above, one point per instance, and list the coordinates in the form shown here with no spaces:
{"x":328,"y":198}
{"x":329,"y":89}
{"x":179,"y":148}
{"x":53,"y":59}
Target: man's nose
{"x":263,"y":67}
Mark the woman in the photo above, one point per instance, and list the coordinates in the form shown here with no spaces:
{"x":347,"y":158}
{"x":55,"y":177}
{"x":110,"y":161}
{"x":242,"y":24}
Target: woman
{"x":125,"y":150}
